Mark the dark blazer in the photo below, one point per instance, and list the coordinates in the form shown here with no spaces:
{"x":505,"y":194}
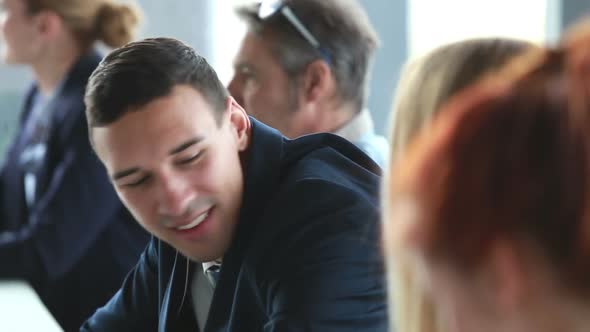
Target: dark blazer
{"x":305,"y":256}
{"x":78,"y":242}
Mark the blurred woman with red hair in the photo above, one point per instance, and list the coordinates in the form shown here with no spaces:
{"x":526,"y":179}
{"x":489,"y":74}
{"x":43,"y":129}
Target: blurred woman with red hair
{"x":491,"y":204}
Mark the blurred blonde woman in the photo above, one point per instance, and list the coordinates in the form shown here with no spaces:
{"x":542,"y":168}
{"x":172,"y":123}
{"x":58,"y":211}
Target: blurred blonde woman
{"x":426,"y":83}
{"x":62,"y":227}
{"x":489,"y":206}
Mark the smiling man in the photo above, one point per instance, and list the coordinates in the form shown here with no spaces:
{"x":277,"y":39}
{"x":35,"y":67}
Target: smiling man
{"x":252,"y":231}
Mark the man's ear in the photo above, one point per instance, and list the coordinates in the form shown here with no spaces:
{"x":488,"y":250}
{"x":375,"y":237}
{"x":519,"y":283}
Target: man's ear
{"x":240,"y":122}
{"x":317,"y":82}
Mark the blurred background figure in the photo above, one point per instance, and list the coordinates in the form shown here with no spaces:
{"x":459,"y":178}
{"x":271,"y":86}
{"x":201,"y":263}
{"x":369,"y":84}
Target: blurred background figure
{"x":406,"y":29}
{"x":62,"y":227}
{"x":303,"y":68}
{"x":490,"y":206}
{"x":428,"y":81}
{"x":425,"y":84}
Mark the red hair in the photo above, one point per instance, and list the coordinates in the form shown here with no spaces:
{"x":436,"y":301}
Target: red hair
{"x":510,"y":158}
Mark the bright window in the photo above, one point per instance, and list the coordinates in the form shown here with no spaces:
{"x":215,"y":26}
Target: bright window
{"x":433,"y":23}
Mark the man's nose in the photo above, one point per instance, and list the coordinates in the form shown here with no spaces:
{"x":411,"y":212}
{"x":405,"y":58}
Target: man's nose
{"x":176,"y":196}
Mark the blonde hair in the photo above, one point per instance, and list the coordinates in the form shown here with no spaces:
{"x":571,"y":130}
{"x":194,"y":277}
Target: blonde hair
{"x":425,"y":84}
{"x":94,"y":20}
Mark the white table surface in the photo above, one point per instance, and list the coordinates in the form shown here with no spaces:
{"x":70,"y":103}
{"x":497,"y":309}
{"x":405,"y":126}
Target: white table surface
{"x":21,"y":310}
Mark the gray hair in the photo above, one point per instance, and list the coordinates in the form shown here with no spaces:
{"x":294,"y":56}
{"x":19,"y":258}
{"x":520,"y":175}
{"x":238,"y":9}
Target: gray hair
{"x":343,"y":30}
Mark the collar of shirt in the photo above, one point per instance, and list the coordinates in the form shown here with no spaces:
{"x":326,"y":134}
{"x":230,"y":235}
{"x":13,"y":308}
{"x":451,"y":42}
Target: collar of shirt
{"x":207,"y":265}
{"x":360,"y":125}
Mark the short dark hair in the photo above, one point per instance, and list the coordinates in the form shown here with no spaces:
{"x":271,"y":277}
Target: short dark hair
{"x":139,"y":72}
{"x":342,"y":28}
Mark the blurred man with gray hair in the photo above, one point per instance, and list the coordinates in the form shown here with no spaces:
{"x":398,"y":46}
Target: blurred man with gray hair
{"x":303,"y":68}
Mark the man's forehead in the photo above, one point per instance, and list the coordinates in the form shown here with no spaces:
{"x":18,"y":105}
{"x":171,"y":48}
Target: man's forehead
{"x":99,"y":138}
{"x":254,"y":45}
{"x":257,"y":55}
{"x":183,"y":107}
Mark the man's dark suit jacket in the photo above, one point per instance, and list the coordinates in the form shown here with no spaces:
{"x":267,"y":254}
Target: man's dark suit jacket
{"x":305,"y":256}
{"x":78,"y":242}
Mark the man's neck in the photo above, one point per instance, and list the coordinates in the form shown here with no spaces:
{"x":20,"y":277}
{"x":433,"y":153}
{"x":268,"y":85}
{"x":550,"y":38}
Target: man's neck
{"x":357,"y":127}
{"x":335,"y":116}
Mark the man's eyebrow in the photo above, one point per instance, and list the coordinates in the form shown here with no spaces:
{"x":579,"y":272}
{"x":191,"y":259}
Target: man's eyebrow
{"x":121,"y":174}
{"x":186,"y":145}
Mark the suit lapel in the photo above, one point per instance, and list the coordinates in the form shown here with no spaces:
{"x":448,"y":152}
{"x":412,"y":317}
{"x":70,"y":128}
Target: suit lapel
{"x":12,"y":189}
{"x":65,"y":109}
{"x":176,"y":312}
{"x":54,"y":148}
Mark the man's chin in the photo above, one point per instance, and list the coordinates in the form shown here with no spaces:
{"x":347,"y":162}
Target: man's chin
{"x":201,"y":257}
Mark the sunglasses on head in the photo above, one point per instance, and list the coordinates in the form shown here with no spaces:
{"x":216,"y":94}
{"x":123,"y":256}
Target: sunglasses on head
{"x":269,"y":8}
